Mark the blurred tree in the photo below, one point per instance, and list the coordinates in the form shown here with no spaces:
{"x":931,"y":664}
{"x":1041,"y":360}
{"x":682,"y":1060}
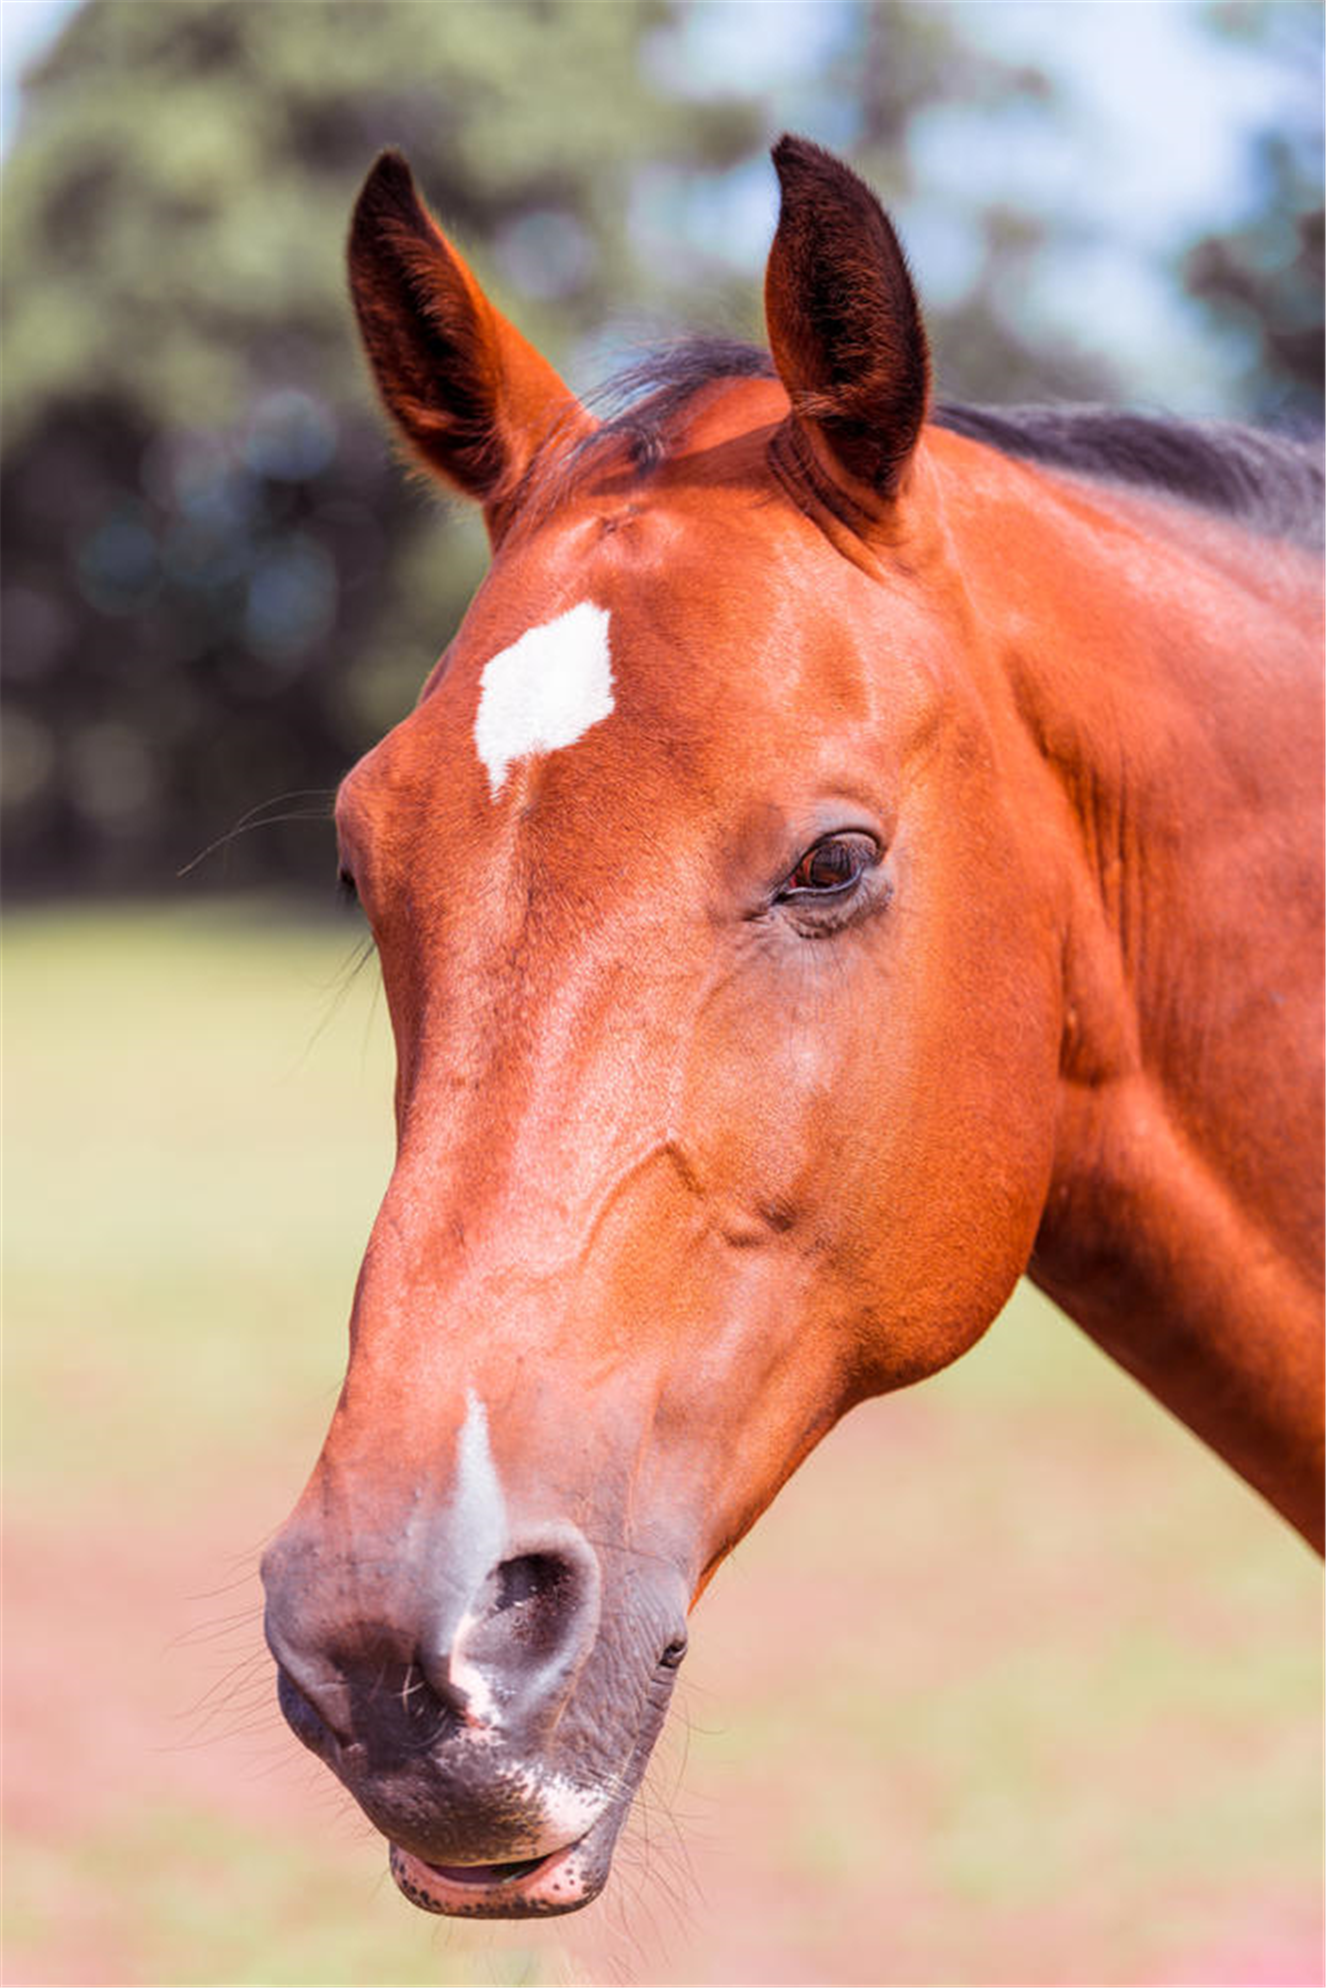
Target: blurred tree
{"x":867,"y":78}
{"x":984,"y":348}
{"x":1265,"y":280}
{"x":218,"y":586}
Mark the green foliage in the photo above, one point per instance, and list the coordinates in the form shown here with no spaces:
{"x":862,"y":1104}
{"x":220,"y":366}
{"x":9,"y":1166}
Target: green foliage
{"x":219,"y":588}
{"x":186,"y":192}
{"x":1264,"y":279}
{"x":982,"y":352}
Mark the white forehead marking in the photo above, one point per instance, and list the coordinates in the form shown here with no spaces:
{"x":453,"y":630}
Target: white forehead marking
{"x":545,"y":691}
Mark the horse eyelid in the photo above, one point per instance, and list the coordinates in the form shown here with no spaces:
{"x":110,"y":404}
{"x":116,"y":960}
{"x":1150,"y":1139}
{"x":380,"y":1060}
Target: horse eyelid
{"x":789,"y":891}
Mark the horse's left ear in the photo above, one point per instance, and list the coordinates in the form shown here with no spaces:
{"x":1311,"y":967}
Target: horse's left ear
{"x":472,"y":398}
{"x":844,"y":325}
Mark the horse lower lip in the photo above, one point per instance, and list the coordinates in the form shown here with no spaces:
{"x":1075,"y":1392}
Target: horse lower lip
{"x":531,"y":1885}
{"x":547,"y":1883}
{"x":487,"y":1875}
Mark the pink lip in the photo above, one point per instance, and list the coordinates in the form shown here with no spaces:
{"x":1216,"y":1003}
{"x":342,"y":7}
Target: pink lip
{"x":555,"y":1883}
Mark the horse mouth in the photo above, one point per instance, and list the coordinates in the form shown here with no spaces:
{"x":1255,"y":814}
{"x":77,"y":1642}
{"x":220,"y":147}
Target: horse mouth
{"x":561,"y":1881}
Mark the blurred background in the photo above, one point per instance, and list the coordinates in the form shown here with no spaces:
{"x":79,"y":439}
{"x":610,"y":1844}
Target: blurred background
{"x":218,"y":589}
{"x":1062,"y":1722}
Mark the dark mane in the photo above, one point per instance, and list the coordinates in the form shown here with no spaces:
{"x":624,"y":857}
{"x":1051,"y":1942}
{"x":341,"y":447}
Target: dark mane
{"x":640,"y":404}
{"x":1270,"y":483}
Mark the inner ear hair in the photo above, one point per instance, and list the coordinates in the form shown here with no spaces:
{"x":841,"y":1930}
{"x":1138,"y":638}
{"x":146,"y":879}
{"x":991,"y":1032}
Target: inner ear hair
{"x":844,"y":324}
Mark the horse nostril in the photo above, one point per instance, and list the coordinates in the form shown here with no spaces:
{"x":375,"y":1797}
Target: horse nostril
{"x":529,"y":1629}
{"x":536,"y":1592}
{"x":529,"y":1574}
{"x":672,"y":1656}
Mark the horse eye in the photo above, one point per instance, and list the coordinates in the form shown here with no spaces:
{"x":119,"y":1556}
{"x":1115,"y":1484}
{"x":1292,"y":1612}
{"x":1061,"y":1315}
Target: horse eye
{"x":835,"y":865}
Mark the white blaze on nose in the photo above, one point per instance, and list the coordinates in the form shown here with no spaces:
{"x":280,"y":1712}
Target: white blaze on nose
{"x":478,"y":1538}
{"x":478,"y":1514}
{"x":545,"y":691}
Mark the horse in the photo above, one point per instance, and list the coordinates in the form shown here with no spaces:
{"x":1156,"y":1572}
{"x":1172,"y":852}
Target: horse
{"x":854,"y":851}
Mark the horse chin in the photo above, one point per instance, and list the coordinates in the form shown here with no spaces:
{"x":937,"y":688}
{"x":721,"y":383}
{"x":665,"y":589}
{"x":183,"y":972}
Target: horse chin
{"x":541,"y":1880}
{"x":537,"y":1887}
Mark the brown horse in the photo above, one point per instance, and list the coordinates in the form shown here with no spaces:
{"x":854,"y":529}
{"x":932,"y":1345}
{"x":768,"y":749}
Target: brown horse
{"x":849,"y":856}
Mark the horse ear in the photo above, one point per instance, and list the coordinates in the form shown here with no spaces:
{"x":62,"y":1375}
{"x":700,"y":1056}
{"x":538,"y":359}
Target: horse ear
{"x":472,"y":399}
{"x":844,"y":325}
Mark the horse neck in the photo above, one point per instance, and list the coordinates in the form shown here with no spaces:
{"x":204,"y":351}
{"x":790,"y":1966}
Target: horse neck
{"x":1158,"y":675}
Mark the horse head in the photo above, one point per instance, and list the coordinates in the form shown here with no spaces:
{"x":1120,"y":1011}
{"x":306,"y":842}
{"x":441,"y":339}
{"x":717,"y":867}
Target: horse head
{"x":718,"y":1107}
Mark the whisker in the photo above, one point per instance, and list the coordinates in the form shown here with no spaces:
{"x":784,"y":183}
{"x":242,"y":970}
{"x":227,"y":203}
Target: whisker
{"x":339,"y":993}
{"x":246,"y":1673}
{"x":212,"y":1632}
{"x":255,"y":817}
{"x":246,"y":1567}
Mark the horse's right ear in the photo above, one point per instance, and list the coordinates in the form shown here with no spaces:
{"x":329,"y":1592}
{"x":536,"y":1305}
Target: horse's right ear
{"x":472,"y":399}
{"x":844,"y":327}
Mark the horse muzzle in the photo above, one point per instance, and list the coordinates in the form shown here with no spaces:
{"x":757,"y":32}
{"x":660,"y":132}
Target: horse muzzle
{"x":493,"y":1726}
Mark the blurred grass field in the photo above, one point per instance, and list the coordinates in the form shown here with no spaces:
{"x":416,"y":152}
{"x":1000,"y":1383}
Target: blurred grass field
{"x":1015,"y":1683}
